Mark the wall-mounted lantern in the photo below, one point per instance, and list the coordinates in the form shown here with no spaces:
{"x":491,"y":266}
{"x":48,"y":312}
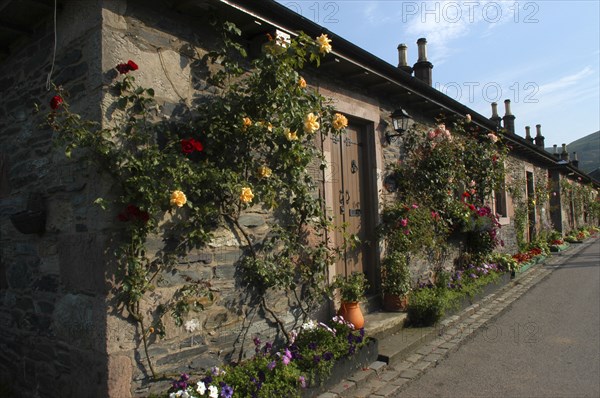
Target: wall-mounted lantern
{"x":400,"y":120}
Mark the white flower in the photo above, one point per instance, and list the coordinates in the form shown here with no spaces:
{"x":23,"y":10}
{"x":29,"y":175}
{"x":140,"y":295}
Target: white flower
{"x":192,"y":325}
{"x":213,"y":392}
{"x":200,"y":388}
{"x":180,"y":394}
{"x":310,"y":325}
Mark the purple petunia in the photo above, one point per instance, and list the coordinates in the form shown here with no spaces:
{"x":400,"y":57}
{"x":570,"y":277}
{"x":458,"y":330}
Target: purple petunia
{"x":226,"y":391}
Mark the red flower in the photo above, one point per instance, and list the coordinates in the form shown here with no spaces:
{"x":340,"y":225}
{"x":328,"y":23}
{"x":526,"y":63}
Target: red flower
{"x":190,"y":145}
{"x":126,"y":68}
{"x":132,"y":65}
{"x":56,"y":101}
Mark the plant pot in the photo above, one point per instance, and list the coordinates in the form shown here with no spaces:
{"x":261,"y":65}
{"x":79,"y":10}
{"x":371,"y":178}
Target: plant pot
{"x":395,"y":302}
{"x":351,"y":312}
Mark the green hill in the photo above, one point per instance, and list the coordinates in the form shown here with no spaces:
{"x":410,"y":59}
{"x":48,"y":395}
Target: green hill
{"x":588,"y":151}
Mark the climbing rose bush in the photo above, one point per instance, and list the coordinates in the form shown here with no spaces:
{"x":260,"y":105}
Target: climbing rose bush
{"x":251,"y":144}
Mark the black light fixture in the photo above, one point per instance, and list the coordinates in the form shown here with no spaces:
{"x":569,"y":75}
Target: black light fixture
{"x":400,"y":121}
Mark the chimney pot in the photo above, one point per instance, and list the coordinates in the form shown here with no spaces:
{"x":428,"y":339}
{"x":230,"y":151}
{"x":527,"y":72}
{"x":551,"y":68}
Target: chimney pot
{"x":564,"y":154}
{"x":509,"y":118}
{"x":495,"y":117}
{"x":507,"y":107}
{"x":528,"y":134}
{"x":422,"y":68}
{"x":575,"y":161}
{"x":555,"y":153}
{"x":403,"y":58}
{"x":539,"y":138}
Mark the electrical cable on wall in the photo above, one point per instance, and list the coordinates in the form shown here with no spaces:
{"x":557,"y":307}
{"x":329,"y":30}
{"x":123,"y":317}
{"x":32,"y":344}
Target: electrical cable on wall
{"x":49,"y":77}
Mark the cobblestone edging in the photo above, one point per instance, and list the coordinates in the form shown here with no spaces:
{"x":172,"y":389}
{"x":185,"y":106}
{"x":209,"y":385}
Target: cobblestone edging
{"x":386,"y":380}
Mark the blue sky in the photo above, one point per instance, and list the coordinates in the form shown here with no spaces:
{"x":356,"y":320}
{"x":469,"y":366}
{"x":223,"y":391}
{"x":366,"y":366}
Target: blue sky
{"x":542,"y":55}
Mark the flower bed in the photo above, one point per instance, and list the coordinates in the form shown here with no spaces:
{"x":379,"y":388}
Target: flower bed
{"x":317,"y":356}
{"x":452,"y":292}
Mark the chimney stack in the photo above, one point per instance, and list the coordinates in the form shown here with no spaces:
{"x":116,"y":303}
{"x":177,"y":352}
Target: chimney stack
{"x":528,"y":134}
{"x":564,"y":154}
{"x":575,"y":161}
{"x":495,"y":117}
{"x":509,"y":118}
{"x":539,"y":138}
{"x":422,"y":68}
{"x":555,"y":153}
{"x":403,"y":59}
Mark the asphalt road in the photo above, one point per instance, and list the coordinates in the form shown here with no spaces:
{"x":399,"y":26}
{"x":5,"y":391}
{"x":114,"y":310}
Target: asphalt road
{"x":547,"y":344}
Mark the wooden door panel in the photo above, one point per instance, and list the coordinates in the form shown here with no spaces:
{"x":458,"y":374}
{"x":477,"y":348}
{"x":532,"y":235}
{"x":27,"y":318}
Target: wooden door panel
{"x":353,"y":181}
{"x":336,"y":178}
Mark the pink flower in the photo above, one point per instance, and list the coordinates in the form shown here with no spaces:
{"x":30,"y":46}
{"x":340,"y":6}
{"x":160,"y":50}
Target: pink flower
{"x":492,"y":137}
{"x":415,"y":206}
{"x":404,"y":222}
{"x":431,"y":135}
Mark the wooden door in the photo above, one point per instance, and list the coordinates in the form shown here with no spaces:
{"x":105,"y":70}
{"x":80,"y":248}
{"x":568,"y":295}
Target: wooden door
{"x":350,"y":210}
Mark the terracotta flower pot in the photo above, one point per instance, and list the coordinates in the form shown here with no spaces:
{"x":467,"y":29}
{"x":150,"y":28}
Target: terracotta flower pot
{"x":352,"y":313}
{"x":395,"y":303}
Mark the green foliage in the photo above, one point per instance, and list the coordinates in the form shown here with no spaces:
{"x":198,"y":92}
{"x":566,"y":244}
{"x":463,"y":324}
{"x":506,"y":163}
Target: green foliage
{"x":252,"y":144}
{"x":352,"y":287}
{"x":395,"y":274}
{"x":428,"y":305}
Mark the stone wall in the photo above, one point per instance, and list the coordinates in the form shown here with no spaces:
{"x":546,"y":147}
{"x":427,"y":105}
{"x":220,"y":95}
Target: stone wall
{"x":52,"y":311}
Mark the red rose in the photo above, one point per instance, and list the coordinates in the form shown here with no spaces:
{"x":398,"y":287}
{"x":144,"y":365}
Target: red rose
{"x":132,"y":65}
{"x":55,"y":102}
{"x":191,"y":145}
{"x":126,"y":68}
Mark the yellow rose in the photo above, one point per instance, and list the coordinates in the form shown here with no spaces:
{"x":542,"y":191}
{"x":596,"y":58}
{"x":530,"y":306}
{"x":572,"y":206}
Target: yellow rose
{"x":324,"y":46}
{"x":247,"y":122}
{"x":246,"y":196}
{"x":339,"y":121}
{"x":310,"y":123}
{"x":290,"y":135}
{"x":269,"y":126}
{"x":302,"y":82}
{"x":264,"y":172}
{"x":468,"y":118}
{"x":178,"y":199}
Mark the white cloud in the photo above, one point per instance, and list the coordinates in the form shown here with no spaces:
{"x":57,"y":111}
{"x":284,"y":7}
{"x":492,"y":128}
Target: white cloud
{"x":566,"y":82}
{"x":442,"y":22}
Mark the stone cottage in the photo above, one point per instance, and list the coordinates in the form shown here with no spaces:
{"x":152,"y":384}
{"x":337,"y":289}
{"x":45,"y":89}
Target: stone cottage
{"x":60,"y":333}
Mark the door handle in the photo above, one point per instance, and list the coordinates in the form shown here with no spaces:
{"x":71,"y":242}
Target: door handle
{"x":341,"y":199}
{"x":347,"y":197}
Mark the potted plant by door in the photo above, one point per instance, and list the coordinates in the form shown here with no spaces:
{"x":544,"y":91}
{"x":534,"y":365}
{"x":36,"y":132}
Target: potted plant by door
{"x":352,"y":290}
{"x":395,"y":281}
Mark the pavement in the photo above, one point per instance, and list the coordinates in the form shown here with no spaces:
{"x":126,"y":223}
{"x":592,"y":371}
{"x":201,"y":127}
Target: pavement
{"x":405,"y":354}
